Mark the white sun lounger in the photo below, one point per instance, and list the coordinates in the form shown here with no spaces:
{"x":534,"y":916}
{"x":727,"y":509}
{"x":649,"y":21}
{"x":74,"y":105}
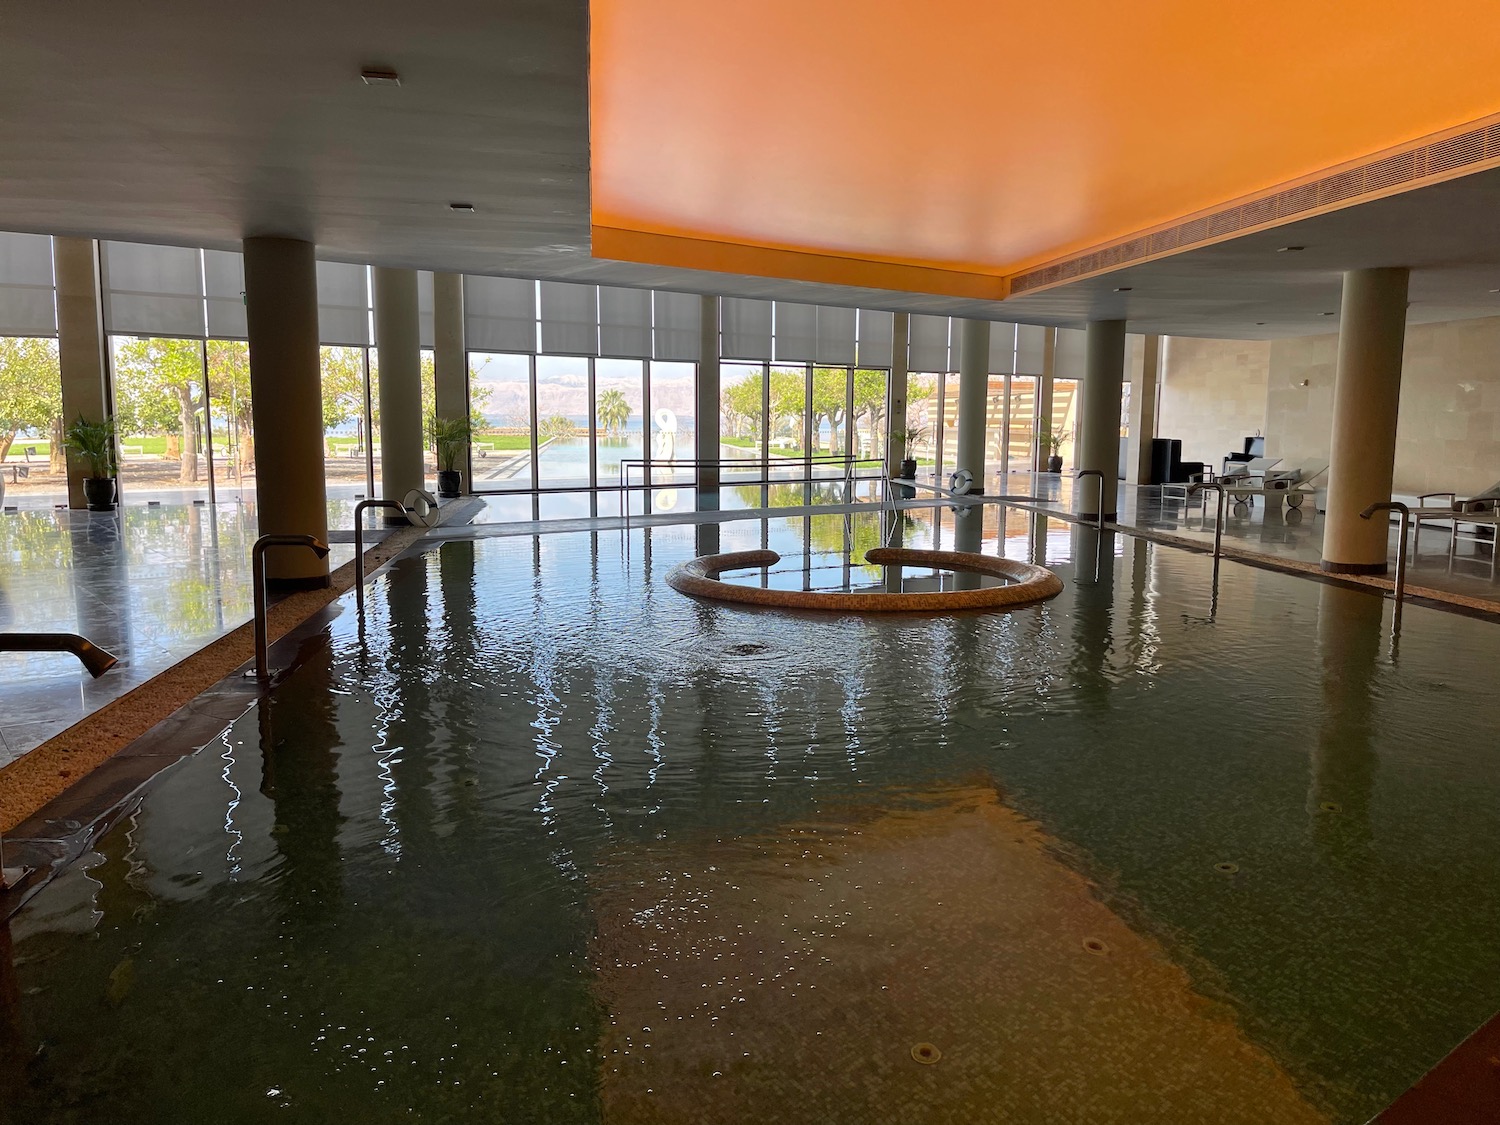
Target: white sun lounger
{"x":1478,"y":512}
{"x":1294,"y":485}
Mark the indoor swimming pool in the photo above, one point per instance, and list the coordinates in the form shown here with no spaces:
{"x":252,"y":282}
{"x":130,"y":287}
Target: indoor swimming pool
{"x":549,"y":842}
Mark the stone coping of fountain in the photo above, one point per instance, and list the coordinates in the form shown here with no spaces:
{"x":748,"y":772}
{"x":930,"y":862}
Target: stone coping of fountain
{"x":1028,"y":584}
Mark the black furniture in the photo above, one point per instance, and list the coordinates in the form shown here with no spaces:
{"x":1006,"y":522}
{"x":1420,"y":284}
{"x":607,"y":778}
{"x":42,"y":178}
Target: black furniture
{"x":1167,"y":465}
{"x":1254,"y":447}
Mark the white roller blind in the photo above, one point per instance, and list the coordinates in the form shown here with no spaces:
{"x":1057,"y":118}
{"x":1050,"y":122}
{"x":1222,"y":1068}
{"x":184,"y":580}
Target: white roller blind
{"x":426,"y":335}
{"x":928,"y":347}
{"x":835,"y":343}
{"x":678,"y":326}
{"x":624,"y":322}
{"x":1029,"y":341}
{"x":1069,"y":361}
{"x":224,"y":282}
{"x":570,"y":318}
{"x":875,"y":329}
{"x":27,"y":304}
{"x":343,"y":304}
{"x":152,"y":290}
{"x":745,"y":331}
{"x":796,"y":332}
{"x":1002,"y":348}
{"x":499,"y":314}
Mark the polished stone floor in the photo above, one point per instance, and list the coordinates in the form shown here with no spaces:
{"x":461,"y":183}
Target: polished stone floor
{"x":150,"y":584}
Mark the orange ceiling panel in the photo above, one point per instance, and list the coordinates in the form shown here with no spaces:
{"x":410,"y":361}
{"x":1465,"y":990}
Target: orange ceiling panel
{"x":980,"y":137}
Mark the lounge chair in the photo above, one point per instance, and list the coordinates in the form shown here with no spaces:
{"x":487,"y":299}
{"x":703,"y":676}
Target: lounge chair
{"x":1480,"y":514}
{"x":1294,"y":485}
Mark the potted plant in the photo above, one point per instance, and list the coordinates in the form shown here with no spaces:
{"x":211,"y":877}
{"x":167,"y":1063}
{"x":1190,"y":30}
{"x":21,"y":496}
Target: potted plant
{"x":94,"y":442}
{"x":1052,"y":439}
{"x":449,"y":436}
{"x":909,"y":438}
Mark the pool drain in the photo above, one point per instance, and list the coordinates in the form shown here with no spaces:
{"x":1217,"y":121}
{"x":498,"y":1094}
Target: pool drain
{"x":1095,"y":946}
{"x":1226,"y":867}
{"x":1331,"y":806}
{"x":926,"y":1053}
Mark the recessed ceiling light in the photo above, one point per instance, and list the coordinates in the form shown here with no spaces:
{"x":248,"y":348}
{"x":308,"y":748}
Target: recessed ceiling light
{"x":1259,"y":323}
{"x":467,"y":208}
{"x":380,"y":76}
{"x":1124,"y":288}
{"x":1331,"y":314}
{"x":1495,"y":290}
{"x":1289,"y":249}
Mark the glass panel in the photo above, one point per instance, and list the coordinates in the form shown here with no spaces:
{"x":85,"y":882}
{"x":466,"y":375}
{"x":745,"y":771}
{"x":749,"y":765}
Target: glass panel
{"x":741,"y":420}
{"x":500,"y":396}
{"x":994,"y":429}
{"x":922,"y":415}
{"x":562,"y":406}
{"x":1022,"y":451}
{"x":788,"y":420}
{"x":346,"y":430}
{"x":429,"y":407}
{"x":1065,"y":417}
{"x":830,"y":407}
{"x":160,"y":415}
{"x":619,"y":401}
{"x":949,"y":384}
{"x":32,"y":464}
{"x":673,"y":407}
{"x":871,"y":393}
{"x":234,"y":434}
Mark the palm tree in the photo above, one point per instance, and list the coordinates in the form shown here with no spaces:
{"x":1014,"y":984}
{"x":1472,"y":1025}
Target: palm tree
{"x":613,"y":411}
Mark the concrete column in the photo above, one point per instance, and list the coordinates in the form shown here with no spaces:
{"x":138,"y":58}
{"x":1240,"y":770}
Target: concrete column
{"x":450,"y":362}
{"x":1099,"y":418}
{"x":707,"y":423}
{"x":398,"y":336}
{"x":281,"y":311}
{"x":895,"y":425}
{"x":1041,"y":405}
{"x":1143,"y":386}
{"x":1366,"y":391}
{"x":973,"y":399}
{"x":80,"y":343}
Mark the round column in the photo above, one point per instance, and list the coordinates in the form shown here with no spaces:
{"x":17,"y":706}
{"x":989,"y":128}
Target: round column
{"x":1366,"y":394}
{"x":397,"y":335}
{"x":450,"y":361}
{"x":286,"y":396}
{"x":973,"y":399}
{"x":1099,"y":419}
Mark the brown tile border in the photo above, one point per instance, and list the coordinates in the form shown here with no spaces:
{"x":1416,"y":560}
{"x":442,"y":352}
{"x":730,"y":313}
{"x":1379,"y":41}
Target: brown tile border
{"x":1031,"y":584}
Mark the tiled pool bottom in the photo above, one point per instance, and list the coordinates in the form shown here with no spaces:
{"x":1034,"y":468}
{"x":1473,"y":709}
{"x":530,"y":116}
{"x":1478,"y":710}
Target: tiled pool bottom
{"x":556,"y":844}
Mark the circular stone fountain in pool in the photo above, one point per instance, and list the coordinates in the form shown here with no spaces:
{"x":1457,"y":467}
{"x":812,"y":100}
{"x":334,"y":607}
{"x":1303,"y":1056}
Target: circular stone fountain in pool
{"x":1025,"y":584}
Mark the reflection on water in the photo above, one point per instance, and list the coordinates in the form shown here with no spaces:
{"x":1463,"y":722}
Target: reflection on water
{"x":552,"y":843}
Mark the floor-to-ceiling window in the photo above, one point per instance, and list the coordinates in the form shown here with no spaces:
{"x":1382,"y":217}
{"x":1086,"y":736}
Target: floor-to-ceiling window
{"x":673,"y":419}
{"x":619,"y":419}
{"x":742,"y":413}
{"x":348,"y":420}
{"x":233,"y":430}
{"x":161,"y":416}
{"x":33,"y":469}
{"x":564,"y":415}
{"x":500,"y":397}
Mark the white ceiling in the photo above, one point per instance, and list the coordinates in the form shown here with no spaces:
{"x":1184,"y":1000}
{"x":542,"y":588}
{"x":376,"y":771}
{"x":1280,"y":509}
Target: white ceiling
{"x":198,"y":124}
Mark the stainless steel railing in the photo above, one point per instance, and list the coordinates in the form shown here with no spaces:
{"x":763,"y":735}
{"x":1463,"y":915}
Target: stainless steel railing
{"x":96,"y":660}
{"x":1094,"y":473}
{"x":1405,"y":519}
{"x":258,"y":578}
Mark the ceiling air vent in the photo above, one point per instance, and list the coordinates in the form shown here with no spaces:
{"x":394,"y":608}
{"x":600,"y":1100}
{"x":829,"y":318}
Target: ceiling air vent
{"x":1414,"y":166}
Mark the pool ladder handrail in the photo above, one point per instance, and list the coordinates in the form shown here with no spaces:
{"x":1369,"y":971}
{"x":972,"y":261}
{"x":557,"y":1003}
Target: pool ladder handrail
{"x":1080,"y":474}
{"x":1405,"y":513}
{"x":258,"y":578}
{"x":1213,"y":486}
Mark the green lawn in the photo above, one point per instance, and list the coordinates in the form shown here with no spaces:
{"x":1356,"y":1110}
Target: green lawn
{"x":502,"y":441}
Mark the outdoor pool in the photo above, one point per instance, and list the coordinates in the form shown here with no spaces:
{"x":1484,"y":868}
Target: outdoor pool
{"x":552,"y":843}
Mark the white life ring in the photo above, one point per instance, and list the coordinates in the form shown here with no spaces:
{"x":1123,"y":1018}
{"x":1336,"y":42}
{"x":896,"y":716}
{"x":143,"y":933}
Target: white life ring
{"x":960,"y":481}
{"x":421,"y":508}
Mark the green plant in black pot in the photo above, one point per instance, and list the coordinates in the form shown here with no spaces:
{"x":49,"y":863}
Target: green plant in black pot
{"x":449,"y":437}
{"x":911,"y":437}
{"x":1052,"y":440}
{"x":94,"y":443}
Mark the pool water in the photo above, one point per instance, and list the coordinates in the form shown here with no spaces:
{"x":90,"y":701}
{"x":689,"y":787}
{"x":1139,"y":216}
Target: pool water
{"x":553,"y":843}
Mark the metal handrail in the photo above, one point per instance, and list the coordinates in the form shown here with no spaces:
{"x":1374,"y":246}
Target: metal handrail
{"x":359,"y":547}
{"x":1405,"y":514}
{"x":96,"y":661}
{"x":1094,"y":473}
{"x":1212,"y":486}
{"x":258,"y":577}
